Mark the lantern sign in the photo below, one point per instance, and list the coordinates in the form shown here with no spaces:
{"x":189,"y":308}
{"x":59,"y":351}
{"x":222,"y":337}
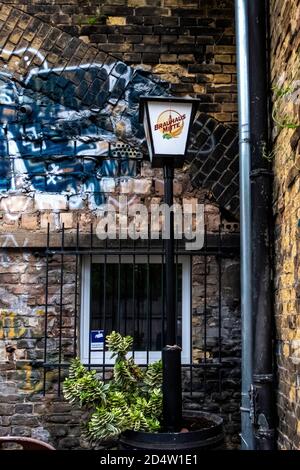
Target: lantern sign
{"x":167,"y":122}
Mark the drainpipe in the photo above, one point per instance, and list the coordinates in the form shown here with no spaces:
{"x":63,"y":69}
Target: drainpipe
{"x":261,"y":191}
{"x":242,"y":38}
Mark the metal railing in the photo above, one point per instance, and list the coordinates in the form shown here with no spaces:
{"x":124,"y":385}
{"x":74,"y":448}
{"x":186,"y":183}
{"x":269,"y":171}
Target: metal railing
{"x":94,"y":285}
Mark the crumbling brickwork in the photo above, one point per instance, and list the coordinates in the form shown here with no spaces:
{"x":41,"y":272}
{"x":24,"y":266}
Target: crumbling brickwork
{"x":285,"y":39}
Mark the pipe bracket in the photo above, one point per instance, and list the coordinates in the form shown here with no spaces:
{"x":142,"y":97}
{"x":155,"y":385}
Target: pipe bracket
{"x":263,"y":378}
{"x":253,"y":402}
{"x":265,"y":433}
{"x":245,"y":140}
{"x":261,"y":172}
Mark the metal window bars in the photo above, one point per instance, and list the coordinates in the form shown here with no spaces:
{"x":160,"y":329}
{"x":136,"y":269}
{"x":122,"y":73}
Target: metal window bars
{"x":213,"y":352}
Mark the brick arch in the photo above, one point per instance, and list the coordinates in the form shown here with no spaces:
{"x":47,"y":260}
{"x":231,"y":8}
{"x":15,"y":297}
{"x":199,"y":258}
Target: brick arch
{"x":79,"y":77}
{"x":214,"y":152}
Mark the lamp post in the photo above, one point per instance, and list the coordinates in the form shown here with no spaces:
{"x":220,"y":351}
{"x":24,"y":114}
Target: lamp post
{"x":167,"y":123}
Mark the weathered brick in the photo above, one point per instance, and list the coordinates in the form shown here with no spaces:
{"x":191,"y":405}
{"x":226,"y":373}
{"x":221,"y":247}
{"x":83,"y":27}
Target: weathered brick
{"x":24,"y":408}
{"x":6,"y":409}
{"x":69,"y":443}
{"x":4,"y":431}
{"x":204,"y":68}
{"x":46,"y":202}
{"x":223,"y":59}
{"x":149,"y":58}
{"x":29,"y":221}
{"x":284,"y":38}
{"x":66,"y":219}
{"x":24,"y":431}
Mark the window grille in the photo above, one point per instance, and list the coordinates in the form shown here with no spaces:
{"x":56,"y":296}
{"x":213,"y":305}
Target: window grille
{"x":122,"y":278}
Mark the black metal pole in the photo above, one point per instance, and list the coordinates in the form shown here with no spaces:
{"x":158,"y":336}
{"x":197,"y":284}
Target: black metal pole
{"x":171,"y":354}
{"x":170,"y":275}
{"x":261,"y":184}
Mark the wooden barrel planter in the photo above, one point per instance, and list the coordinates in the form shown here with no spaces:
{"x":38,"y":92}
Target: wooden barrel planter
{"x":200,"y":431}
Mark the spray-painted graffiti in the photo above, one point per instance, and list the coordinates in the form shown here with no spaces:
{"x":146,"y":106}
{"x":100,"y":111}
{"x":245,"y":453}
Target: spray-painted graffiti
{"x":69,"y":130}
{"x":8,"y":240}
{"x":74,"y":129}
{"x":11,"y":326}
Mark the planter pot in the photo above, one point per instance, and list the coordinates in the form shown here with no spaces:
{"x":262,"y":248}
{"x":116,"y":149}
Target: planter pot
{"x":206,"y":432}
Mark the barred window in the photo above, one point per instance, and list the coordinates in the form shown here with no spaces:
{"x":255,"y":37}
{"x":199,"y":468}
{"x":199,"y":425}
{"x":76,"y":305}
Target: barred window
{"x":126,"y":293}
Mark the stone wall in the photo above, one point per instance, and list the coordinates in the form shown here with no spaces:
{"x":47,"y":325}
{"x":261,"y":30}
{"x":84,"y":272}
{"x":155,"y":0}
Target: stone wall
{"x":285,"y":39}
{"x":70,"y":80}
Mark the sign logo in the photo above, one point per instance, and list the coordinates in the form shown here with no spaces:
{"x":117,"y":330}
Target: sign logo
{"x":97,"y":340}
{"x":170,"y":123}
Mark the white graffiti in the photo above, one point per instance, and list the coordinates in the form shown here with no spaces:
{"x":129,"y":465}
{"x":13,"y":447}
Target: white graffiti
{"x":16,"y":303}
{"x":27,"y":59}
{"x":71,"y":68}
{"x":58,"y":128}
{"x":8,"y":240}
{"x":14,"y":208}
{"x":53,"y":175}
{"x":122,"y":202}
{"x":22,"y":53}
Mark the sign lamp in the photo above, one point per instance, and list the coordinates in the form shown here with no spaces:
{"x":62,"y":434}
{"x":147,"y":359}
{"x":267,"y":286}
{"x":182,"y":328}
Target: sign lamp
{"x":167,"y":122}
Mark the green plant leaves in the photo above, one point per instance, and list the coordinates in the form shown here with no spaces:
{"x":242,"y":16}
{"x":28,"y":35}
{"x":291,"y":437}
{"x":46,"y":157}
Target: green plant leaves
{"x":83,"y":387}
{"x":153,"y":376}
{"x":131,"y":400}
{"x":119,"y":345}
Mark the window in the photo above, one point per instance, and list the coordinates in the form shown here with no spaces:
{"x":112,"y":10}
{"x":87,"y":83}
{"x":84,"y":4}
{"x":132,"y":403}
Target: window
{"x":126,"y":294}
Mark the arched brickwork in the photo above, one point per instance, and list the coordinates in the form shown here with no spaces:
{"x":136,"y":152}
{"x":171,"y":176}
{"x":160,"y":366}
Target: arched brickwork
{"x":79,"y":99}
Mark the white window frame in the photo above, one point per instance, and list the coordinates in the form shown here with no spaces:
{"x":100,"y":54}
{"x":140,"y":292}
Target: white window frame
{"x":98,"y":357}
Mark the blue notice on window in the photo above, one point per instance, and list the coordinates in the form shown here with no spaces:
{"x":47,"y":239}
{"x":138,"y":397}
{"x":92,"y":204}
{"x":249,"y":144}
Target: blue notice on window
{"x":97,"y":340}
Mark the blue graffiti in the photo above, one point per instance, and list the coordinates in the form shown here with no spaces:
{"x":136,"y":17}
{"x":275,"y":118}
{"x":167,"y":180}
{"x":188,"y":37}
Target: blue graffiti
{"x":61,"y":130}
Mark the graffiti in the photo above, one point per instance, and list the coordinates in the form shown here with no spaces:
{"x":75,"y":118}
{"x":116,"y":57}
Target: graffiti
{"x":13,"y":207}
{"x":18,"y":303}
{"x":8,"y":240}
{"x":204,"y":136}
{"x":122,"y":202}
{"x":62,"y":128}
{"x":74,"y":130}
{"x":11,"y":326}
{"x":31,"y":379}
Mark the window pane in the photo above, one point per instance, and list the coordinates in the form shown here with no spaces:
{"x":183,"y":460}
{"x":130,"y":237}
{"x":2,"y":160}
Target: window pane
{"x":123,"y":300}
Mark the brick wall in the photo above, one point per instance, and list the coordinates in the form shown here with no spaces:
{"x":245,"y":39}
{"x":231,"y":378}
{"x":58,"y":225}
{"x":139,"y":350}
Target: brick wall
{"x":285,"y":39}
{"x":189,"y":43}
{"x":47,"y":74}
{"x":25,"y":411}
{"x":80,"y":70}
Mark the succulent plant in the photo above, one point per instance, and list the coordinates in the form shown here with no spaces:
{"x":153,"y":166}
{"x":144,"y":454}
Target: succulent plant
{"x":132,"y":399}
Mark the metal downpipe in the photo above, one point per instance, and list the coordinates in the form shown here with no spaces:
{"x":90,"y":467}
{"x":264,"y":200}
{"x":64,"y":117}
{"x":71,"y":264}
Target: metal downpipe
{"x":242,"y":37}
{"x":261,"y":184}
